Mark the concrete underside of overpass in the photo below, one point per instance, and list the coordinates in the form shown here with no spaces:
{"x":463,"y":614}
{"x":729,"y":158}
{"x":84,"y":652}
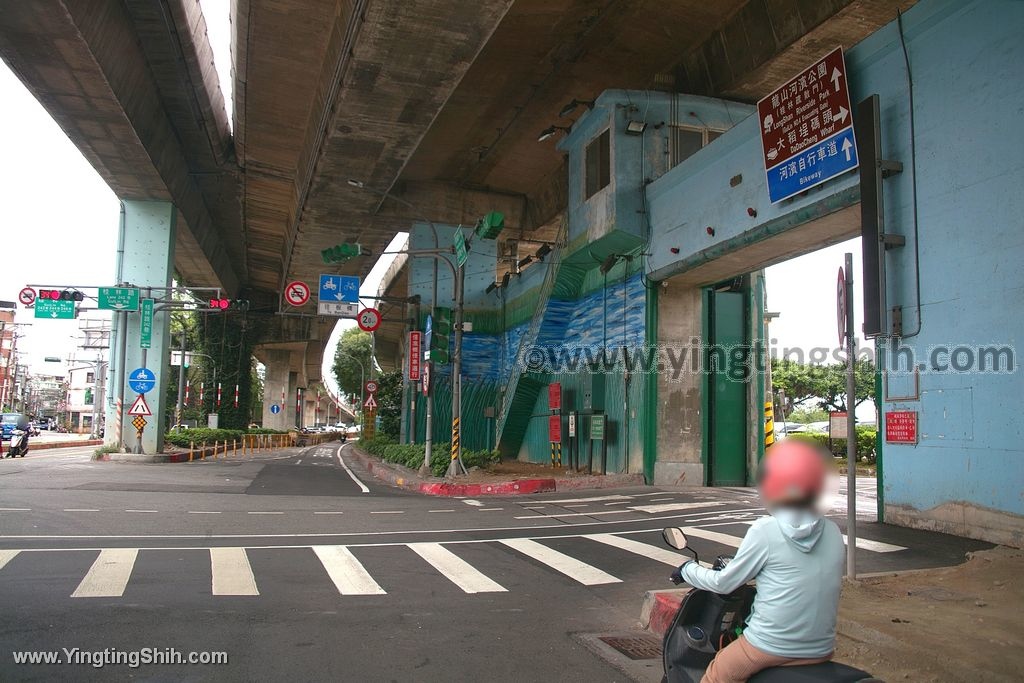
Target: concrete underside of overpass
{"x":437,"y":104}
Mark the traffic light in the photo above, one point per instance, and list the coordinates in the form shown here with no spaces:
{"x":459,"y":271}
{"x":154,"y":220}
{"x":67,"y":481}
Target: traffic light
{"x":61,"y":295}
{"x":490,"y":225}
{"x":341,"y":252}
{"x":440,"y":331}
{"x":225,"y":304}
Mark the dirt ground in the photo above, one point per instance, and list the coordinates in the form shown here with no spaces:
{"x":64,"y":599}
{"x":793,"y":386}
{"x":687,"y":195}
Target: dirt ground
{"x":963,"y":623}
{"x":507,"y":470}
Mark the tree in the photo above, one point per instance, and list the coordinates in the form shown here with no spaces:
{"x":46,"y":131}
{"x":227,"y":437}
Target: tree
{"x":389,"y":403}
{"x":825,"y":383}
{"x":354,"y":348}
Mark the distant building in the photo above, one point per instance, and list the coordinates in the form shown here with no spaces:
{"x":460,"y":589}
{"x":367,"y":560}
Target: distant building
{"x":46,"y":396}
{"x":8,"y":366}
{"x":82,"y":395}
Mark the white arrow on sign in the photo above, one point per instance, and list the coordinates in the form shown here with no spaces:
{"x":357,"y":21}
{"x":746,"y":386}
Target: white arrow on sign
{"x":835,"y":77}
{"x":140,"y":407}
{"x":370,"y":403}
{"x":847,"y":146}
{"x":841,"y":116}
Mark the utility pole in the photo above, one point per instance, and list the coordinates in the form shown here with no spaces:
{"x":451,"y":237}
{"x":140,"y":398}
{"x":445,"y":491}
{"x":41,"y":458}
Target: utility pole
{"x":456,"y":467}
{"x":180,"y":406}
{"x":851,"y":428}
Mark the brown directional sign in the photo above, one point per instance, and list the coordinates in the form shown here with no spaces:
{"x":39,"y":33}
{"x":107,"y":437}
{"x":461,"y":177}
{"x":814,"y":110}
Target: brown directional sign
{"x":808,"y":108}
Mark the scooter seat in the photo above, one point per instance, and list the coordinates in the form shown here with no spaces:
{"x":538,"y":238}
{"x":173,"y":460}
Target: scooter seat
{"x":826,"y":672}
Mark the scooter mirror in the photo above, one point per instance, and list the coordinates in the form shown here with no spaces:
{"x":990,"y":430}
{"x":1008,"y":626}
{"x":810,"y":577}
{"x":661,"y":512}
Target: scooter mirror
{"x":674,"y":536}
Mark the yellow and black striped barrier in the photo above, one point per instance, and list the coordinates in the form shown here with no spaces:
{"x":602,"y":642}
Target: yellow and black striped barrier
{"x":769,"y":424}
{"x":455,"y":438}
{"x":556,"y":454}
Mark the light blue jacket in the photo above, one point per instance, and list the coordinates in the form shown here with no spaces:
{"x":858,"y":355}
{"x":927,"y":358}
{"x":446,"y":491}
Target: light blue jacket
{"x":797,"y":558}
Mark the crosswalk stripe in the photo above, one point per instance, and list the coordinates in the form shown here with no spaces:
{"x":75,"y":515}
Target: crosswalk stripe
{"x":733,"y":541}
{"x":108,"y":575}
{"x":6,"y":556}
{"x":668,"y":557}
{"x":571,"y":567}
{"x":673,"y":507}
{"x":875,"y":546}
{"x":717,"y":537}
{"x":231,"y":572}
{"x":455,"y":569}
{"x":348,"y":575}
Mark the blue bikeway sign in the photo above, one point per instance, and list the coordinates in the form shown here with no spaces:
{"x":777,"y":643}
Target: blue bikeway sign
{"x":141,"y":380}
{"x":339,"y":288}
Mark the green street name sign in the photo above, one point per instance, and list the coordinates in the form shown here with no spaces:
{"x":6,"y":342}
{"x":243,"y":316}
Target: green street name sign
{"x":119,"y":299}
{"x":461,"y":254}
{"x":55,"y":309}
{"x":146,"y":325}
{"x":597,"y":428}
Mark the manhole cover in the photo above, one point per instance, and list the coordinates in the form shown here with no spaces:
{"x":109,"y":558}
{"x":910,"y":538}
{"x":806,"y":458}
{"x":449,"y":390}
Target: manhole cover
{"x":635,"y":647}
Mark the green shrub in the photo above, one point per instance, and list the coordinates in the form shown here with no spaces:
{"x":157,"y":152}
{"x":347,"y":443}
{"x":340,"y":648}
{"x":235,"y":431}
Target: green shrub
{"x":411,"y":455}
{"x":202,"y":436}
{"x":865,"y":443}
{"x":264,"y":430}
{"x":103,"y":450}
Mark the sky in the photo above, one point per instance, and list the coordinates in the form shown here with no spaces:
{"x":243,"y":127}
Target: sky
{"x":64,"y":219}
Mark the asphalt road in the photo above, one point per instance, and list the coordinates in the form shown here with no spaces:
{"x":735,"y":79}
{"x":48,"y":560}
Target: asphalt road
{"x":299,"y":566}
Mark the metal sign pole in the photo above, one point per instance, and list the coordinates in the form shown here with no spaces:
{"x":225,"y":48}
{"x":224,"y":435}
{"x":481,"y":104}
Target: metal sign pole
{"x":851,"y":428}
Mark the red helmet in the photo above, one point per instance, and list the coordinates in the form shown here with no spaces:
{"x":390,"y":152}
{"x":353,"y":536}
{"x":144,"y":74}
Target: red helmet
{"x":793,"y":471}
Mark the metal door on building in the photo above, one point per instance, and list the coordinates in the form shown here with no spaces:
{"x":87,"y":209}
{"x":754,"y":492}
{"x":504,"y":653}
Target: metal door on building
{"x":726,"y":388}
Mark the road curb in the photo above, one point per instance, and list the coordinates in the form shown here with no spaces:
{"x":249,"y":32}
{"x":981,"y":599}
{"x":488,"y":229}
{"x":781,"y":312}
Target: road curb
{"x":35,"y":446}
{"x":403,"y":477}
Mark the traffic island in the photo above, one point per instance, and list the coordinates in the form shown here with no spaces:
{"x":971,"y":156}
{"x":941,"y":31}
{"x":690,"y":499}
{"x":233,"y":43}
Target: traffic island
{"x":484,"y":483}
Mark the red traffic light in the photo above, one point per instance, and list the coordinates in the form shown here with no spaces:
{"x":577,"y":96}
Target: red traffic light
{"x":221,"y":304}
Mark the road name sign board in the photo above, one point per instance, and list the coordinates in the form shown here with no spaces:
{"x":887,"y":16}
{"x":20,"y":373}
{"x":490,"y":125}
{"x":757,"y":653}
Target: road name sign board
{"x":141,"y":380}
{"x":415,"y":355}
{"x":461,"y":253}
{"x":337,"y":288}
{"x":807,"y":129}
{"x":338,"y":309}
{"x":597,"y":428}
{"x":140,"y":407}
{"x":146,"y":325}
{"x":55,"y":309}
{"x":901,"y":426}
{"x":296,"y":293}
{"x":118,"y":299}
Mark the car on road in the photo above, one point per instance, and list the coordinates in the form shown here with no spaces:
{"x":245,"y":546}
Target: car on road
{"x":11,"y":421}
{"x":784,"y":428}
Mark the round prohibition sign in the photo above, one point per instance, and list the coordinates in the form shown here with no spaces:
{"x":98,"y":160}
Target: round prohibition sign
{"x":27,"y":296}
{"x":369,"y":319}
{"x":371,"y":387}
{"x":297,"y":293}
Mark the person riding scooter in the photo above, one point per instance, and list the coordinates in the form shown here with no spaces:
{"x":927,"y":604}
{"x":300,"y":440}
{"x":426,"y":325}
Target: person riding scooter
{"x":19,"y":443}
{"x":796,"y":556}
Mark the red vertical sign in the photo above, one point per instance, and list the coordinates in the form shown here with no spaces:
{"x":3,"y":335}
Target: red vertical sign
{"x":555,"y":396}
{"x":555,"y":429}
{"x":901,"y":426}
{"x":415,"y":355}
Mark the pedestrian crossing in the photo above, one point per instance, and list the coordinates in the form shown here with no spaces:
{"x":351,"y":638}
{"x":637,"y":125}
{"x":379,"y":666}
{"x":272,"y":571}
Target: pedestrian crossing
{"x":607,"y":559}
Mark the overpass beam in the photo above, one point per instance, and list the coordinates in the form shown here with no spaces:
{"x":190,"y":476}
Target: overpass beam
{"x":145,"y":259}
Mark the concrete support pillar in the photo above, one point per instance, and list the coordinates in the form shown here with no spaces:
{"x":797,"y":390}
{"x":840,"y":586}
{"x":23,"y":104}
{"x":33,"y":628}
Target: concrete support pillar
{"x":145,"y":259}
{"x":277,"y":381}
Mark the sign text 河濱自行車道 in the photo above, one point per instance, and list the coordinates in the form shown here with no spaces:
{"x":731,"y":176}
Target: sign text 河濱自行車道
{"x":807,"y":129}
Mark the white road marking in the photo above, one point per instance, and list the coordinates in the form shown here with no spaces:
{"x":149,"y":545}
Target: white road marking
{"x":620,"y":502}
{"x":455,"y":569}
{"x":299,"y":461}
{"x":672,"y":507}
{"x":533,"y":507}
{"x":660,"y":500}
{"x":577,"y":505}
{"x":80,"y":510}
{"x":108,"y":575}
{"x":579,"y":514}
{"x":440,"y":510}
{"x":6,"y":556}
{"x":143,"y":511}
{"x":328,"y":512}
{"x":724,"y":539}
{"x":387,"y":512}
{"x":594,"y":499}
{"x":231,"y":572}
{"x":875,"y":546}
{"x":489,"y":509}
{"x":203,"y":512}
{"x":348,"y":575}
{"x":15,"y":509}
{"x":258,"y":512}
{"x":470,"y":501}
{"x":570,"y":566}
{"x":662,"y":555}
{"x":341,"y":461}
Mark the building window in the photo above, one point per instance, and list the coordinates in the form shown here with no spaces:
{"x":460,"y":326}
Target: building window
{"x":598,"y":169}
{"x":688,"y":141}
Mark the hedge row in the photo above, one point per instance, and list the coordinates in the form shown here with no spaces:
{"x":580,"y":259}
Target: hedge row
{"x":865,"y":443}
{"x":411,"y":455}
{"x":203,"y":436}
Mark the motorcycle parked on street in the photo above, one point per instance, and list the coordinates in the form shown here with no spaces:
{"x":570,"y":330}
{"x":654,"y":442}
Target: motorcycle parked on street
{"x":19,"y":444}
{"x":706,"y":622}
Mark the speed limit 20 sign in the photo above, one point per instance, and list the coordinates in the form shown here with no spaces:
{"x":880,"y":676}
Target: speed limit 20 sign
{"x":369,"y":319}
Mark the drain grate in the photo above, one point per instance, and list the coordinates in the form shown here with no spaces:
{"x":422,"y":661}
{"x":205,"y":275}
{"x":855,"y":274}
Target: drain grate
{"x":635,"y":647}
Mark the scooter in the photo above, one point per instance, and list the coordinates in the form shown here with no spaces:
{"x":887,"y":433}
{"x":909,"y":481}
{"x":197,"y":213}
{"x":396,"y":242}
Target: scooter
{"x":19,"y":444}
{"x":706,"y":622}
